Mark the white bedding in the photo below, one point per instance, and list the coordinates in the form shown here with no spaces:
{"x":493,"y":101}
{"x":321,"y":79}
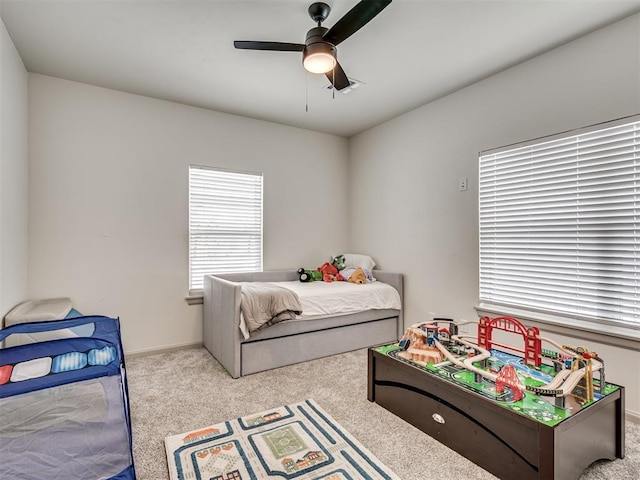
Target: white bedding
{"x":324,"y":299}
{"x":331,"y":298}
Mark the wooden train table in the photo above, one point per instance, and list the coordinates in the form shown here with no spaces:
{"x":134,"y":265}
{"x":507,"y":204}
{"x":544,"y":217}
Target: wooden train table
{"x":528,"y":438}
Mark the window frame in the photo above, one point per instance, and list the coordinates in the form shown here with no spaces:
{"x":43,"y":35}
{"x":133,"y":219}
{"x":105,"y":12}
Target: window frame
{"x":195,"y":291}
{"x":629,"y":330}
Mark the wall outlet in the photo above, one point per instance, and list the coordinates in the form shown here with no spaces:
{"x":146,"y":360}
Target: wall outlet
{"x":463,"y":184}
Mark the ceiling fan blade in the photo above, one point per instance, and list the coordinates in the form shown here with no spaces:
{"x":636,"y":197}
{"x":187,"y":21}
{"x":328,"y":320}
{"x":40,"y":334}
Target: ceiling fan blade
{"x":354,"y":20}
{"x":338,"y":78}
{"x":276,"y":46}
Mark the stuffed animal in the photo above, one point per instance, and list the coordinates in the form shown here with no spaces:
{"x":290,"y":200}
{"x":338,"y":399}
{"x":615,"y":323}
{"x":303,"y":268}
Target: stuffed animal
{"x":358,"y":276}
{"x":338,"y":262}
{"x":330,"y":273}
{"x":309,"y":275}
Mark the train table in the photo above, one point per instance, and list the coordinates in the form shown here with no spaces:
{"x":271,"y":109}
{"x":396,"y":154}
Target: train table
{"x":509,"y":416}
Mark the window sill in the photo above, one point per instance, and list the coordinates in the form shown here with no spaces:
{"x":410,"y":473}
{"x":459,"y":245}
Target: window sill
{"x":194,"y":297}
{"x":616,"y":336}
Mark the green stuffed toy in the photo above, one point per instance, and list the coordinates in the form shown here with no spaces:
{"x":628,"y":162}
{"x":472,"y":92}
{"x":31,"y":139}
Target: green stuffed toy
{"x":309,"y":275}
{"x":338,"y":262}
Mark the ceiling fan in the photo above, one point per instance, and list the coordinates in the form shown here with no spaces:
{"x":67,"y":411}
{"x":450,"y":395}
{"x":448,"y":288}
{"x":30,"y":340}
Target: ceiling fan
{"x":319,"y":50}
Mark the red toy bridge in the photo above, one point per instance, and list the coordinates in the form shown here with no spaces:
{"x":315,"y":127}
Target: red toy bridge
{"x":530,"y":336}
{"x":509,"y":378}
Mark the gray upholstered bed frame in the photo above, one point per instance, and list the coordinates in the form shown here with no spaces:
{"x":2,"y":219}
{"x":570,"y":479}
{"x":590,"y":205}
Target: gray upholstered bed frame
{"x":293,"y":341}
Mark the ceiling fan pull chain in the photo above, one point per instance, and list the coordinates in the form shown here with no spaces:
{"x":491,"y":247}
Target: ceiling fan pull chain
{"x":306,"y":92}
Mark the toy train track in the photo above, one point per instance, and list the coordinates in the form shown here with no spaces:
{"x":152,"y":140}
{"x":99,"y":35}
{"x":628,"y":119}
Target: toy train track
{"x":431,"y":342}
{"x":545,"y":391}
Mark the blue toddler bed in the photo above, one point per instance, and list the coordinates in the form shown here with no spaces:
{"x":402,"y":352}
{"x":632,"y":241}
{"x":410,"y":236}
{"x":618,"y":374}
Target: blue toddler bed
{"x":64,"y":410}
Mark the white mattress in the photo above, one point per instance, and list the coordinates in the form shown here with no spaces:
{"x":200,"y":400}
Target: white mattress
{"x":329,"y":299}
{"x":323,"y":299}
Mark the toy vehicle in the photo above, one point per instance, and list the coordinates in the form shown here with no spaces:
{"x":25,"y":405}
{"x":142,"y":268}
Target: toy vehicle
{"x":309,"y":275}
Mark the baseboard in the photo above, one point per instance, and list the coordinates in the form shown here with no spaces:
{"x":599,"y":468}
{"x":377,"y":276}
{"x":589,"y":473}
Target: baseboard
{"x":155,"y":351}
{"x":633,"y":417}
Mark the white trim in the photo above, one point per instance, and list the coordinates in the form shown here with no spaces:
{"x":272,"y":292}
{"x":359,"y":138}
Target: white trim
{"x":632,"y":417}
{"x":195,"y":297}
{"x":155,"y":351}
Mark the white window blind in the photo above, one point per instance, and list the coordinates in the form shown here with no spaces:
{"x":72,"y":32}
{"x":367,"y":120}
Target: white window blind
{"x":560,"y":225}
{"x":225,"y":223}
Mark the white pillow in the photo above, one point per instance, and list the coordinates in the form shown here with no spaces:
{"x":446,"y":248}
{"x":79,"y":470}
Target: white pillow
{"x":355,"y":260}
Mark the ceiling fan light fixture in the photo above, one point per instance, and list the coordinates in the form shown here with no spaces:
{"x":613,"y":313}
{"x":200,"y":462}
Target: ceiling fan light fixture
{"x":319,"y":53}
{"x":319,"y":57}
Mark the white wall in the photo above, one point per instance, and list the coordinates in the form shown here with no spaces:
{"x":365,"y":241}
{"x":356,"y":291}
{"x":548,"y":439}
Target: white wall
{"x":417,"y":222}
{"x":13,"y":175}
{"x":108,"y":192}
{"x":108,"y":187}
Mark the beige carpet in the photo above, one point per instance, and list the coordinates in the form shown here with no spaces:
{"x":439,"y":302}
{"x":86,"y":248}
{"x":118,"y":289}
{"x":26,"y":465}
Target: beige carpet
{"x":182,"y":391}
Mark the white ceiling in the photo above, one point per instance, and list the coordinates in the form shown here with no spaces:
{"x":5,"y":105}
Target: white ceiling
{"x":413,"y":52}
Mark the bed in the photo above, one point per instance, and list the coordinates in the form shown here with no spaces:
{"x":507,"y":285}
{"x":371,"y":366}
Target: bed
{"x":64,"y":402}
{"x":290,"y":341}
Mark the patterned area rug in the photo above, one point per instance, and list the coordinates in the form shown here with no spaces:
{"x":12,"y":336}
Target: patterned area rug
{"x":298,"y":441}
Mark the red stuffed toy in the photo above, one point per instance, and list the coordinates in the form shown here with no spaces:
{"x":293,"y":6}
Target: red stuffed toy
{"x":330,"y":273}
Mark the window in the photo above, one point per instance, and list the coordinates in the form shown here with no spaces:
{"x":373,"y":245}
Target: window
{"x":225,"y":223}
{"x":560,"y":225}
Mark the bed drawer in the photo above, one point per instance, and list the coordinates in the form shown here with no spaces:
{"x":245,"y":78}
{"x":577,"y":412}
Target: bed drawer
{"x":271,"y":353}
